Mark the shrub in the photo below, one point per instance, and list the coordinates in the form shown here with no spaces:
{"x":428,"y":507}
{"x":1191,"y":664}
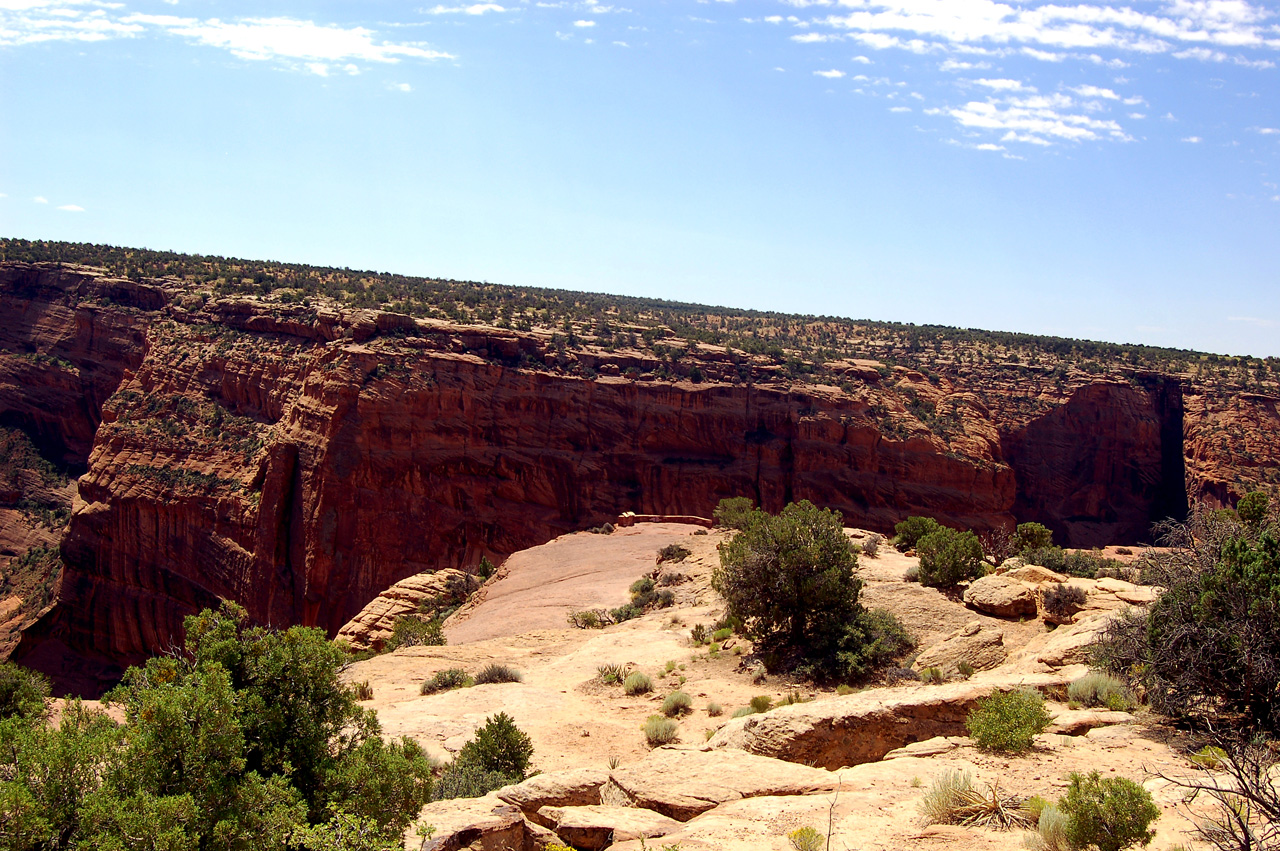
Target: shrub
{"x":410,"y":631}
{"x":637,"y":683}
{"x":965,"y":669}
{"x":363,"y":691}
{"x":721,"y":634}
{"x":933,"y":676}
{"x":659,"y":730}
{"x":742,"y":711}
{"x":953,"y":800}
{"x":589,"y":619}
{"x":495,"y":673}
{"x":734,"y":513}
{"x":23,"y":692}
{"x":714,"y":709}
{"x":909,"y":532}
{"x":643,"y":585}
{"x":485,"y":568}
{"x":1081,"y":564}
{"x":465,"y":780}
{"x":871,"y":545}
{"x":805,"y":560}
{"x":1111,"y":813}
{"x":1063,"y":601}
{"x":806,"y":839}
{"x":447,"y":680}
{"x":1031,"y":536}
{"x":611,"y":673}
{"x":677,"y":703}
{"x":1052,"y":829}
{"x":1209,"y":645}
{"x":698,"y":635}
{"x":625,"y":613}
{"x":672,"y":578}
{"x":948,"y":557}
{"x":673,"y":553}
{"x":1098,"y":689}
{"x":1008,"y":721}
{"x":666,"y":599}
{"x":911,"y":574}
{"x":499,"y":746}
{"x":1210,"y":758}
{"x":761,"y":703}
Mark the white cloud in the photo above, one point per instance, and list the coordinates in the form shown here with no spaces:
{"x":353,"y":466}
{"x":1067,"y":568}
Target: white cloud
{"x":1095,"y":92}
{"x":833,"y":74}
{"x":861,"y":60}
{"x":899,"y":109}
{"x":1002,"y":85}
{"x":40,"y":199}
{"x":1034,"y":119}
{"x":305,"y":45}
{"x":1194,"y":140}
{"x":473,"y":9}
{"x":988,"y":146}
{"x":584,"y":23}
{"x":72,"y":208}
{"x":1269,"y":131}
{"x":956,"y":65}
{"x":401,"y":87}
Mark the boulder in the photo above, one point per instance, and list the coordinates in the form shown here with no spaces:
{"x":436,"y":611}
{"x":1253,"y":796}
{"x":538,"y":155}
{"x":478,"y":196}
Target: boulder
{"x":1077,"y":722}
{"x":372,"y":626}
{"x":980,"y":645}
{"x":592,"y":828}
{"x":1036,"y":575}
{"x":484,"y":822}
{"x":573,"y":788}
{"x":1069,"y":645}
{"x":682,"y":783}
{"x":1001,"y":596}
{"x":863,"y":727}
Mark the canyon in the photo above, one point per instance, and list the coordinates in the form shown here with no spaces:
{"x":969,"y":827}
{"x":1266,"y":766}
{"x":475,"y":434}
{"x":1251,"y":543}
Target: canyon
{"x":300,"y":458}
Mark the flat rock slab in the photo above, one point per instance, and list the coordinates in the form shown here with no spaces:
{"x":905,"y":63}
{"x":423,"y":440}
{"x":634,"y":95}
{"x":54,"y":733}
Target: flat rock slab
{"x":460,"y":823}
{"x":576,"y":787}
{"x":682,"y":783}
{"x":592,"y":828}
{"x":863,"y":727}
{"x":1077,"y":722}
{"x":538,"y":587}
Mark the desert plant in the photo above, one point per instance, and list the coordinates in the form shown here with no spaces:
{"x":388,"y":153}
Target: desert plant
{"x":666,"y":599}
{"x":698,"y":635}
{"x":466,"y":780}
{"x":948,"y":557}
{"x":23,"y":692}
{"x":611,"y":673}
{"x":761,"y":703}
{"x":673,"y":553}
{"x":965,"y":669}
{"x":721,"y":634}
{"x":806,"y":839}
{"x":932,"y":676}
{"x":411,"y":631}
{"x":496,"y":673}
{"x":1063,"y":601}
{"x":742,"y":711}
{"x":660,"y":730}
{"x":589,"y":619}
{"x":844,"y":689}
{"x":363,"y":690}
{"x":1008,"y":721}
{"x":499,"y":746}
{"x":714,"y":709}
{"x":952,"y":799}
{"x":1110,"y":813}
{"x":734,"y":513}
{"x":447,"y":680}
{"x":911,"y":574}
{"x":676,"y":704}
{"x":1099,"y":689}
{"x":637,"y":683}
{"x":1210,"y":758}
{"x":871,"y":545}
{"x":1051,"y":829}
{"x":1030,"y":536}
{"x":909,"y":532}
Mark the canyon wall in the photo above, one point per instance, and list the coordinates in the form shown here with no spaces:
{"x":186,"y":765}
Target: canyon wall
{"x":300,"y":460}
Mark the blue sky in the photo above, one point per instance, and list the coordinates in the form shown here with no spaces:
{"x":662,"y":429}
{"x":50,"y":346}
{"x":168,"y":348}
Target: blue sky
{"x":1091,"y":169}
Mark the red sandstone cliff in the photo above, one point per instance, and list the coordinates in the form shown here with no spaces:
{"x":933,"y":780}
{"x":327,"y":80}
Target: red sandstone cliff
{"x":302,"y":460}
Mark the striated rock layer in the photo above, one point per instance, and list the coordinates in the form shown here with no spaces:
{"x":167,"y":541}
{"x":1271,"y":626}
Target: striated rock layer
{"x":300,"y":460}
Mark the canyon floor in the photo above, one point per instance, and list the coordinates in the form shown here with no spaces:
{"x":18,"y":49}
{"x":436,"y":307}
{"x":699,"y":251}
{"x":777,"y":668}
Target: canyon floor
{"x":742,"y":783}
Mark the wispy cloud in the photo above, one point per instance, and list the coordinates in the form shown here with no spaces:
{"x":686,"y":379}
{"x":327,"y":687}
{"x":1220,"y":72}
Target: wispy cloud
{"x":303,"y":44}
{"x":473,"y":9}
{"x":833,"y":74}
{"x":72,"y":208}
{"x":40,"y":199}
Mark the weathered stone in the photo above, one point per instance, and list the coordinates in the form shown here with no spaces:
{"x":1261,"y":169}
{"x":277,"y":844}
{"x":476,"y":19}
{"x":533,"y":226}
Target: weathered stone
{"x":682,"y":783}
{"x":372,"y":626}
{"x":1001,"y":596}
{"x":977,"y":644}
{"x":592,"y":828}
{"x":1077,"y":722}
{"x":1036,"y":575}
{"x":573,"y":788}
{"x":863,"y":727}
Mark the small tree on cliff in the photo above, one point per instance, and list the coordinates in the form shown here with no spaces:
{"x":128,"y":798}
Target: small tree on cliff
{"x":790,"y":580}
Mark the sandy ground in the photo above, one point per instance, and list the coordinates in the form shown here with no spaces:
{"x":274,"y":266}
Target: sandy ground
{"x":575,"y":721}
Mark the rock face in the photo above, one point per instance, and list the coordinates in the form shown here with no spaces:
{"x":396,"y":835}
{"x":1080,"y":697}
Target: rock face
{"x":302,"y":459}
{"x":372,"y":626}
{"x":980,"y":646}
